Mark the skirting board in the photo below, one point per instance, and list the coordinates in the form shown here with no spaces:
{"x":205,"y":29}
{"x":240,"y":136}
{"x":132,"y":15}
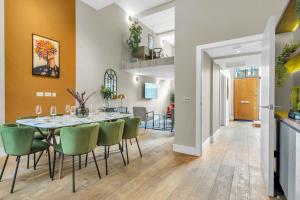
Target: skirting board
{"x":210,"y":140}
{"x":193,"y":151}
{"x":216,"y":134}
{"x":2,"y":153}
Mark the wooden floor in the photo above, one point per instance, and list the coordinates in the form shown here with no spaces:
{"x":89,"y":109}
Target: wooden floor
{"x":229,"y":169}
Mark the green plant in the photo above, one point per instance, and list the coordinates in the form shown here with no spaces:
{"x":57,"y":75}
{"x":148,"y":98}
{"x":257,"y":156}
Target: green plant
{"x":281,"y":60}
{"x":298,"y":8}
{"x":172,"y":97}
{"x":106,"y":92}
{"x":135,"y":36}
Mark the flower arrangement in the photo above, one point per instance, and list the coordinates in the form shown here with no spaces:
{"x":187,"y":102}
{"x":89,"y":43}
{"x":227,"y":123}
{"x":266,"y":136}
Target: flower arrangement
{"x":135,"y":36}
{"x":106,"y":92}
{"x":80,"y":98}
{"x":43,"y":48}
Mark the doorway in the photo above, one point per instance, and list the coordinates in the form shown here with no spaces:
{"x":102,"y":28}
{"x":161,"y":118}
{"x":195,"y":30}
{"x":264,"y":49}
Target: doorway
{"x":246,"y":92}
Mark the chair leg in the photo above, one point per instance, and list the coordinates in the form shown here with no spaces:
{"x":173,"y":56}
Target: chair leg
{"x":127,"y":151}
{"x":73,"y":173}
{"x":15,"y":175}
{"x":105,"y":156}
{"x":61,"y":163}
{"x":153,"y":122}
{"x":130,"y":142}
{"x":28,"y":157}
{"x":137,"y":142}
{"x":5,"y":162}
{"x":53,"y":168}
{"x":86,"y":158}
{"x":146,"y":124}
{"x":122,"y":145}
{"x":96,"y":165}
{"x":49,"y":162}
{"x":120,"y":148}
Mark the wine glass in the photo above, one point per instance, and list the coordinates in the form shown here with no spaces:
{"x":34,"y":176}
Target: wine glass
{"x":38,"y":110}
{"x":53,"y":111}
{"x":73,"y":110}
{"x":68,"y":109}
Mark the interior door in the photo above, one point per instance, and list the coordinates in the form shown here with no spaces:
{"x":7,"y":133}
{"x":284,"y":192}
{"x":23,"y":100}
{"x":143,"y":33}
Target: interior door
{"x":267,"y":105}
{"x":246,"y":98}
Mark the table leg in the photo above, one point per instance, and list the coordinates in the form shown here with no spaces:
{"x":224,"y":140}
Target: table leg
{"x":61,"y":166}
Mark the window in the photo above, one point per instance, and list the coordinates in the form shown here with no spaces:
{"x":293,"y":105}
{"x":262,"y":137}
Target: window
{"x":248,"y":72}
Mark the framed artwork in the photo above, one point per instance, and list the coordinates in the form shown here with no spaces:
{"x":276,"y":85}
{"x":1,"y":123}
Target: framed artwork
{"x":150,"y":41}
{"x":45,"y":57}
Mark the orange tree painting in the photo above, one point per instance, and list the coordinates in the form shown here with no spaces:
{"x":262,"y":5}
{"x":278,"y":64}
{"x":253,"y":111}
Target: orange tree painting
{"x":45,"y":57}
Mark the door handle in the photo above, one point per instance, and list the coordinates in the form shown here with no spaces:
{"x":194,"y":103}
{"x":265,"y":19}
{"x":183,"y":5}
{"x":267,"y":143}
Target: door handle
{"x":245,"y":102}
{"x":270,"y":107}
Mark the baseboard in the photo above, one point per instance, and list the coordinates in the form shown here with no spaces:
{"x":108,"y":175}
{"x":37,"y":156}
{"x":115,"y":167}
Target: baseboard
{"x":216,"y":134}
{"x":193,"y":151}
{"x":206,"y":143}
{"x":2,"y":152}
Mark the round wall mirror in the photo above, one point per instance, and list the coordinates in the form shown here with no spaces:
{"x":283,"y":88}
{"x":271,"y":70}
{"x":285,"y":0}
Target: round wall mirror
{"x":110,"y":80}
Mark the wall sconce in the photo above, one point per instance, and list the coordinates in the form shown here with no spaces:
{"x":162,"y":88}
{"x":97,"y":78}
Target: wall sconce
{"x":136,"y":79}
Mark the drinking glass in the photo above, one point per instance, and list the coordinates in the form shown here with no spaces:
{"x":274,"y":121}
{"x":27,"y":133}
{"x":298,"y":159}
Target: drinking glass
{"x":38,"y":110}
{"x":73,"y":110}
{"x":68,"y":109}
{"x":53,"y":111}
{"x":91,"y":109}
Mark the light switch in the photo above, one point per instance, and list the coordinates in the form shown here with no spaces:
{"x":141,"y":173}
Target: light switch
{"x":53,"y":94}
{"x":187,"y":98}
{"x":48,"y":94}
{"x":39,"y":94}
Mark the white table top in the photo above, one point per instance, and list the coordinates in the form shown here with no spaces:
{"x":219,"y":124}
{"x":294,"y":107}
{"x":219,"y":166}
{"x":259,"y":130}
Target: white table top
{"x":66,"y":120}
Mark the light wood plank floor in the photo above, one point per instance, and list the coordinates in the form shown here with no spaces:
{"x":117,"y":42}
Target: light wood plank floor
{"x":229,"y":169}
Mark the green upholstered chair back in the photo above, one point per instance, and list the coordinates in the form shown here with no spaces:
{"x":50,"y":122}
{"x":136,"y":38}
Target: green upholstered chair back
{"x":131,"y":128}
{"x":79,"y":139}
{"x":16,"y":140}
{"x":110,"y":133}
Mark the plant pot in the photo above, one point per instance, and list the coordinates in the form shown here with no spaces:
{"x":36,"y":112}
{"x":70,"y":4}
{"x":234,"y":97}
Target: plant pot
{"x":82,"y":112}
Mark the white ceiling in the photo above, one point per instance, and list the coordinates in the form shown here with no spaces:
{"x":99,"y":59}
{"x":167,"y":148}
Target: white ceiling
{"x":245,"y":48}
{"x":160,"y":22}
{"x":132,"y":7}
{"x":163,"y":72}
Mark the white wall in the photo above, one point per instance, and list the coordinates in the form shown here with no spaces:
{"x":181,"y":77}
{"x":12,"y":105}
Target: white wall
{"x":216,"y":98}
{"x":202,"y":22}
{"x":101,"y":44}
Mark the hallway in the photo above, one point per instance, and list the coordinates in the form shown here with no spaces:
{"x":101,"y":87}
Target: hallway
{"x":229,"y":169}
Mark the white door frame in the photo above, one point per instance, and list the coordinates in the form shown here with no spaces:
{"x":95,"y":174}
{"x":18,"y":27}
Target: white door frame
{"x":199,"y":62}
{"x":2,"y":64}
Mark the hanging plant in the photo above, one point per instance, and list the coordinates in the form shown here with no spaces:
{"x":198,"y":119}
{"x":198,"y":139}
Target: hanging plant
{"x":281,"y":60}
{"x":135,"y":36}
{"x":298,"y":8}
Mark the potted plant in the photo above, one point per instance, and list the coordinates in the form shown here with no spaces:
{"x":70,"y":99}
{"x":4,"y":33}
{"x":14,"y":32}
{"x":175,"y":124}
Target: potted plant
{"x":107,"y":95}
{"x":135,"y":37}
{"x":82,"y":110}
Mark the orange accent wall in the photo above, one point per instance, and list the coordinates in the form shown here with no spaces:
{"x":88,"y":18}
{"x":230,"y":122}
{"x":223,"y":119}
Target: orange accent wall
{"x":53,"y":19}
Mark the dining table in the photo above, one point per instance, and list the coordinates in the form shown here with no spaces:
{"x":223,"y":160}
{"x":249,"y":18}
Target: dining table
{"x":53,"y":123}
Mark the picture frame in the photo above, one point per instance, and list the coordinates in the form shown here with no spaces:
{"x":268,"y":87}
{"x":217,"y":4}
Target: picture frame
{"x":45,"y":57}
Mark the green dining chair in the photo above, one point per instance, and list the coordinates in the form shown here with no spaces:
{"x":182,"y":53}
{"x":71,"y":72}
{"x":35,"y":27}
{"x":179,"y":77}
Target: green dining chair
{"x":75,"y":141}
{"x":110,"y":133}
{"x":37,"y":136}
{"x":18,"y":141}
{"x":131,"y":131}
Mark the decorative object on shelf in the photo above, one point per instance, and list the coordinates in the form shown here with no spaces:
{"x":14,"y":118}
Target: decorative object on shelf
{"x":281,"y":60}
{"x":110,"y":81}
{"x":107,"y":94}
{"x":135,"y":36}
{"x":82,"y":111}
{"x":121,"y":97}
{"x":45,"y":57}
